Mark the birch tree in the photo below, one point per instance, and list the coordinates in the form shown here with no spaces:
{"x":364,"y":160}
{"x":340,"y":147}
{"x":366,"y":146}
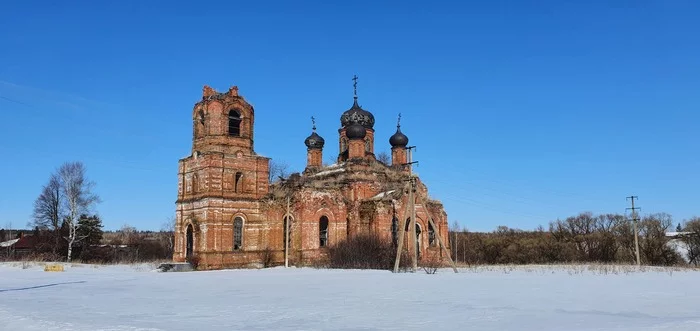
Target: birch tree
{"x":78,"y":198}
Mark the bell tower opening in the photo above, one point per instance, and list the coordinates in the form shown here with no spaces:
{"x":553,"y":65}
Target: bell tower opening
{"x":234,"y":123}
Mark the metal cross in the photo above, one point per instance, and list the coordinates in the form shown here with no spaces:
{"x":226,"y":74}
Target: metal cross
{"x":354,"y":85}
{"x":398,"y":123}
{"x":313,"y":121}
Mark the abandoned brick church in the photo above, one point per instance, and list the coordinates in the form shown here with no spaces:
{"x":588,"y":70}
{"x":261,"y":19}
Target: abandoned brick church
{"x":230,"y":215}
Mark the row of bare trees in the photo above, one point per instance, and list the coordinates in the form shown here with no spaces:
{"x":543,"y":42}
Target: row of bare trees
{"x":606,"y":238}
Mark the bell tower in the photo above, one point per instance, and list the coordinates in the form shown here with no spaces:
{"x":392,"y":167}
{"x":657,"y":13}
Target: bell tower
{"x":221,"y":175}
{"x":223,"y":122}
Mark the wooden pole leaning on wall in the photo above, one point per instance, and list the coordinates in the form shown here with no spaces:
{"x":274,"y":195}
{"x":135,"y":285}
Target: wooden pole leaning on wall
{"x":413,"y":234}
{"x":286,"y":236}
{"x":439,"y":237}
{"x":402,"y":232}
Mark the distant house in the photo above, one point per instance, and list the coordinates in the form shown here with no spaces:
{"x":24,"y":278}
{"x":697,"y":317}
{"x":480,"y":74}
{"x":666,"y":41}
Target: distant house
{"x":18,"y":248}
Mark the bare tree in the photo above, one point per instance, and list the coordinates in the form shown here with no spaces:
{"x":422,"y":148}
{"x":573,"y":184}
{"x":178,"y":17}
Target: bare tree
{"x":384,"y":158}
{"x":278,"y":169}
{"x":692,"y":239}
{"x":78,"y":198}
{"x":48,"y":209}
{"x":167,"y":230}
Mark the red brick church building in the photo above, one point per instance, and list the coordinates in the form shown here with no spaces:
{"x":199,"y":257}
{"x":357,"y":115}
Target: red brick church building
{"x":230,"y":215}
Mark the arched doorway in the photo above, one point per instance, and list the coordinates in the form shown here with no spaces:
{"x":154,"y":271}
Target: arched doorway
{"x":323,"y":231}
{"x":419,"y":232}
{"x":190,"y":242}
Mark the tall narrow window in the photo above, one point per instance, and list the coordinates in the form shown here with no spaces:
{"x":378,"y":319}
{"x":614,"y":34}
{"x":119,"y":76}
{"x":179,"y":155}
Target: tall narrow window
{"x":395,"y":231}
{"x":431,"y":235}
{"x":189,"y":250}
{"x":237,"y":182}
{"x":323,"y":231}
{"x":195,"y":183}
{"x":419,"y":233}
{"x":237,"y":233}
{"x":234,"y":123}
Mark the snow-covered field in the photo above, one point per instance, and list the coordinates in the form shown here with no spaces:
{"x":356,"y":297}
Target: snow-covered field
{"x":487,"y":298}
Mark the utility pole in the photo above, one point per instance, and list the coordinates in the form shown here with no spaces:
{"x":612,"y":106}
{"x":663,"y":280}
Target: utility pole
{"x":412,"y":201}
{"x":634,"y":221}
{"x":411,"y":208}
{"x":286,"y":236}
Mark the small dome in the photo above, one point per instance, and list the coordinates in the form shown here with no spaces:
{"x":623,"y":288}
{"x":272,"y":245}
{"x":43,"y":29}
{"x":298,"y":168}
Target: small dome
{"x":314,"y":141}
{"x":357,"y":115}
{"x":355,"y":131}
{"x":398,"y":139}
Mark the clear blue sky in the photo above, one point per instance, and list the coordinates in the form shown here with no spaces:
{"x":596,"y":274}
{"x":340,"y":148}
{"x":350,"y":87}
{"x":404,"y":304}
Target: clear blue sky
{"x":523,"y":112}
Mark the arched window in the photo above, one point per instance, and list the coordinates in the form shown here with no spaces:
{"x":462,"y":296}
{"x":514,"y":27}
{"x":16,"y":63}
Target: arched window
{"x":419,"y":231}
{"x":195,"y":183}
{"x":237,"y":182}
{"x":431,"y":235}
{"x":234,"y":123}
{"x":395,"y":231}
{"x":323,"y":231}
{"x":237,"y":233}
{"x":189,"y":250}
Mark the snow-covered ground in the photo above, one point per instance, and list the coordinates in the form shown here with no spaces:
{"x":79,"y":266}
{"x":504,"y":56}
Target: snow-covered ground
{"x":487,"y":298}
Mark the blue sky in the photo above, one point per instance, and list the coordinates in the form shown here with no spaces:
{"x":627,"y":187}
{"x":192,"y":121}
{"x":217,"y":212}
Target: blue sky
{"x":523,"y":112}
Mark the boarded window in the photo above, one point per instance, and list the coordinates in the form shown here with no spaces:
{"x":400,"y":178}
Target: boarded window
{"x":237,"y":233}
{"x":234,"y":123}
{"x":323,"y":231}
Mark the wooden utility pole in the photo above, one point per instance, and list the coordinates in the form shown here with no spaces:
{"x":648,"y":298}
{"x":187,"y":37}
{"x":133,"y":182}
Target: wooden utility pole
{"x":438,"y":236}
{"x":411,"y":207}
{"x":286,"y":236}
{"x":413,"y":234}
{"x":634,"y":221}
{"x":402,"y":232}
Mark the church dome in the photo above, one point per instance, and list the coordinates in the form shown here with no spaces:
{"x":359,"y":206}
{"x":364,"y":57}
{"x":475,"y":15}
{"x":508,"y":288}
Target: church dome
{"x":357,"y":115}
{"x":398,"y":139}
{"x":314,"y":141}
{"x":355,"y":131}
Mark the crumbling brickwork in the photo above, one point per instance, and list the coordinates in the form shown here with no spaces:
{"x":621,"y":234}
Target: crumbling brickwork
{"x":229,"y":215}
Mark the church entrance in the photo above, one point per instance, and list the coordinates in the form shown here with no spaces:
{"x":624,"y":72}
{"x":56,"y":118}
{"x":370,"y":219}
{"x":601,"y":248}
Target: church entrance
{"x":190,"y":242}
{"x":418,"y":237}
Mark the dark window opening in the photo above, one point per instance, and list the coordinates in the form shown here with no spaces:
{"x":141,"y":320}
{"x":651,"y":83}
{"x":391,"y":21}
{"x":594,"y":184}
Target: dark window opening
{"x":234,"y":123}
{"x":237,"y":182}
{"x":431,"y":235}
{"x":190,"y":242}
{"x":237,"y":233}
{"x":323,"y":231}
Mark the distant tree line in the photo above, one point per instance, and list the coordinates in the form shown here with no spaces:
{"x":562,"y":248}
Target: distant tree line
{"x":585,"y":238}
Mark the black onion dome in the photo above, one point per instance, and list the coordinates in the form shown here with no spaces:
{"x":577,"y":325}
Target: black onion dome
{"x":355,"y":131}
{"x":314,"y":141}
{"x":357,"y":115}
{"x":398,"y":139}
